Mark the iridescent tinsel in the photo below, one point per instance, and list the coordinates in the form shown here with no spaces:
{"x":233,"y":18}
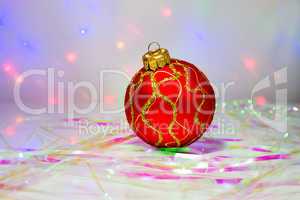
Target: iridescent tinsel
{"x":248,"y":160}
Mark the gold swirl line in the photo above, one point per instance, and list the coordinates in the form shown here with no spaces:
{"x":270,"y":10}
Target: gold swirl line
{"x":175,"y":78}
{"x":146,"y":107}
{"x":194,"y":90}
{"x":137,"y":118}
{"x":131,"y":107}
{"x":177,"y":75}
{"x":133,"y":87}
{"x":171,"y":125}
{"x":189,"y":132}
{"x":156,"y":93}
{"x":199,"y":108}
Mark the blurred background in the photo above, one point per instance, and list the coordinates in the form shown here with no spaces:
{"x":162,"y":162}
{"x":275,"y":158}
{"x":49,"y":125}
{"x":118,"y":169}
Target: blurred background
{"x":236,"y":43}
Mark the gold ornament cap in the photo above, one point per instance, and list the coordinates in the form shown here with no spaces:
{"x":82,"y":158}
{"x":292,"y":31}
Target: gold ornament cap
{"x":157,"y":58}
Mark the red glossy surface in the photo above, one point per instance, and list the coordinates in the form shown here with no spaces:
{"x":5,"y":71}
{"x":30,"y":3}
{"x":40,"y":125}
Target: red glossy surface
{"x":170,"y":107}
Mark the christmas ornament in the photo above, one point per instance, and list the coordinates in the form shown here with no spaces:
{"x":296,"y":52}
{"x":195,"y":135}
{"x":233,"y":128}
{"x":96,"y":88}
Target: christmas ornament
{"x":169,"y":102}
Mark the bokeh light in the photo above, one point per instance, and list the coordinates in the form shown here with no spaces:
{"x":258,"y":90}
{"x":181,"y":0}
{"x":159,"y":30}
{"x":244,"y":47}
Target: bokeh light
{"x":19,"y":119}
{"x":10,"y":70}
{"x":249,"y":64}
{"x":53,"y":101}
{"x":83,"y":31}
{"x":166,"y":12}
{"x":260,"y":100}
{"x":120,"y":45}
{"x":10,"y":131}
{"x":7,"y":67}
{"x":25,"y":43}
{"x":71,"y":57}
{"x":110,"y":99}
{"x":19,"y":79}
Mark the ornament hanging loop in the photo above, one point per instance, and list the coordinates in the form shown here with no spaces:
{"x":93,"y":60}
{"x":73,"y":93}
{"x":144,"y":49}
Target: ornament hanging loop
{"x":157,"y":58}
{"x":151,"y":45}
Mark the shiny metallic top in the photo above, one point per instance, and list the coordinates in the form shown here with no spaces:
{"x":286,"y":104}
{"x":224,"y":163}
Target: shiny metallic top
{"x":155,"y":59}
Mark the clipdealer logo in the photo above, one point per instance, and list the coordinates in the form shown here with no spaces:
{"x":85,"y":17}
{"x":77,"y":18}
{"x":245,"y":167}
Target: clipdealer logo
{"x":96,"y":92}
{"x":279,"y":122}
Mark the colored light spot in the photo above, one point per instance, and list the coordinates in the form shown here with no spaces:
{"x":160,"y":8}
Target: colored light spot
{"x":7,"y":68}
{"x":272,"y":157}
{"x":53,"y":101}
{"x":83,"y":31}
{"x":51,"y":159}
{"x":260,"y":149}
{"x":249,"y":64}
{"x":5,"y":162}
{"x":175,"y":149}
{"x":10,"y":131}
{"x":260,"y":100}
{"x":26,"y":44}
{"x":295,"y":108}
{"x":21,"y":155}
{"x":109,"y":99}
{"x":71,"y":57}
{"x":120,"y":45}
{"x":166,"y":12}
{"x":19,"y":119}
{"x":19,"y":79}
{"x":230,"y":181}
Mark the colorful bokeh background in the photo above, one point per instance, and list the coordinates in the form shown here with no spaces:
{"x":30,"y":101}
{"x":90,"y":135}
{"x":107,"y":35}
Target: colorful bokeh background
{"x":231,"y":41}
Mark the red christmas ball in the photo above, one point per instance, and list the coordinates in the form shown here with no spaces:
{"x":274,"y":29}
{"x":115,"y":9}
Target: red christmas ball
{"x":169,"y":102}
